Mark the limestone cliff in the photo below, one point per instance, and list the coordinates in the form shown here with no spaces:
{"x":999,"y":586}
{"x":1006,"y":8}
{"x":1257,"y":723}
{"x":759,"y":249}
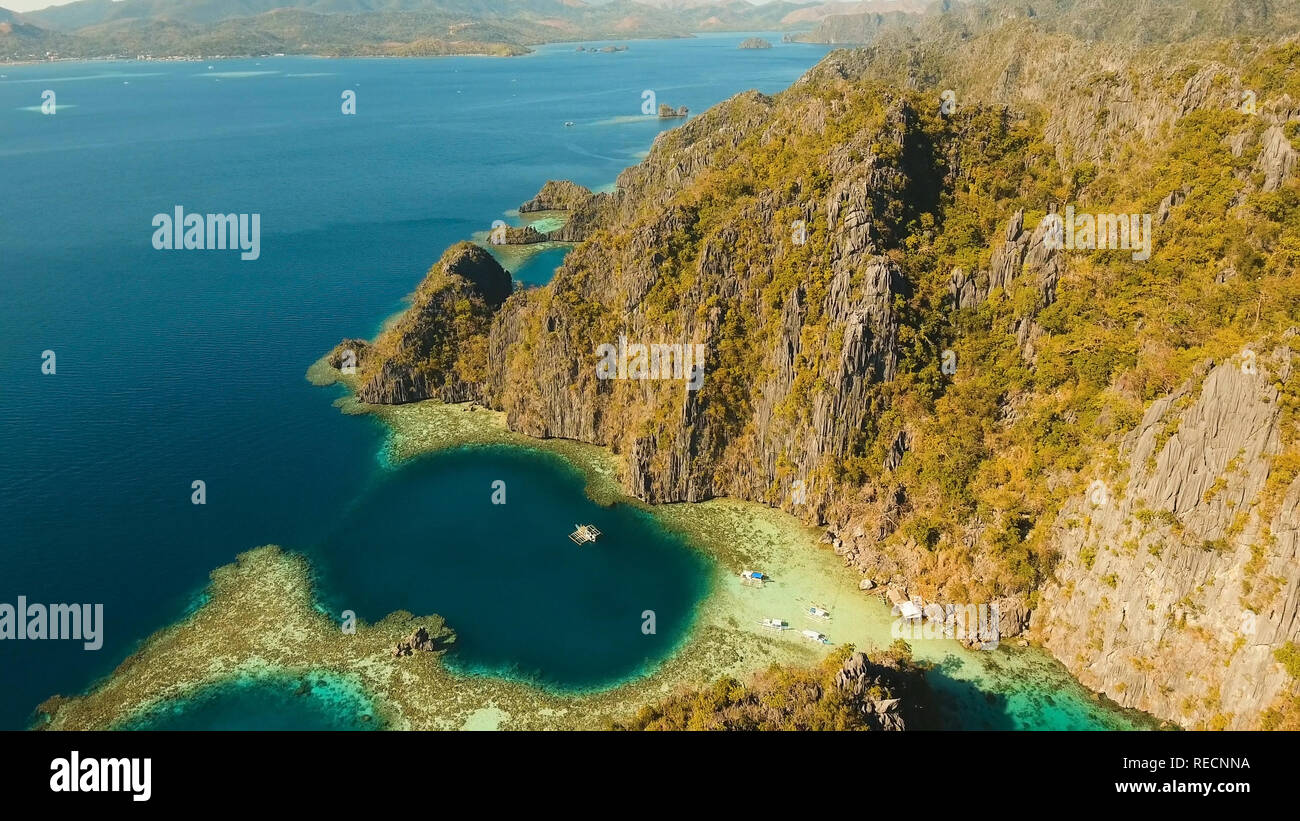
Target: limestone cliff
{"x":436,"y":349}
{"x":893,"y":349}
{"x":1180,"y":575}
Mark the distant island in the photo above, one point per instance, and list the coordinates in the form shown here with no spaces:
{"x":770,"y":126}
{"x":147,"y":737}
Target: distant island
{"x":754,"y":42}
{"x":198,"y":29}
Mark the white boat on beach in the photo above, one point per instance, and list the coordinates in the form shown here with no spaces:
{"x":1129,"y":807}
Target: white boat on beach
{"x":813,"y":635}
{"x":753,"y":577}
{"x":818,"y":613}
{"x":775,"y":624}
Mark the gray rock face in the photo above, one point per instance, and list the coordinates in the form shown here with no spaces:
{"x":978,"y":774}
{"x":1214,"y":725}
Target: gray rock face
{"x":1178,"y":579}
{"x":1277,"y":159}
{"x":673,"y":446}
{"x":872,"y":685}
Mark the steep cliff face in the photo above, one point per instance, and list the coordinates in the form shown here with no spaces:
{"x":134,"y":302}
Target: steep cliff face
{"x":1180,"y":575}
{"x":893,"y":348}
{"x":436,"y":349}
{"x":817,"y":315}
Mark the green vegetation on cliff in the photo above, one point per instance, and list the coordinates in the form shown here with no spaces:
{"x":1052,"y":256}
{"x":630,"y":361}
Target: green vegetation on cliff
{"x":894,"y":351}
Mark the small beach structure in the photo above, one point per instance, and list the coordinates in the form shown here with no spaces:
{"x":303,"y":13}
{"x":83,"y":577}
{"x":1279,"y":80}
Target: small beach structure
{"x":753,"y":577}
{"x":907,"y":609}
{"x":813,"y":635}
{"x":775,"y":624}
{"x":584,"y":534}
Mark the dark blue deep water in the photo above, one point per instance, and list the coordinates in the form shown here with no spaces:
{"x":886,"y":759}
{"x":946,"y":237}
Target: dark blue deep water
{"x":177,"y":366}
{"x":521,"y":596}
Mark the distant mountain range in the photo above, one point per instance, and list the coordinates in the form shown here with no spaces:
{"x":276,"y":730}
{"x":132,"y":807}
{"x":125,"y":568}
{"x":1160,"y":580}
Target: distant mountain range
{"x":202,"y":28}
{"x":1145,"y":22}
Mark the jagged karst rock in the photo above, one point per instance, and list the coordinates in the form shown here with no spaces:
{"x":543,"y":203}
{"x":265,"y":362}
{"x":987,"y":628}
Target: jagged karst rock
{"x":821,"y":343}
{"x":874,"y":687}
{"x":1277,"y":159}
{"x":519,"y":235}
{"x":1152,"y":601}
{"x":418,"y":641}
{"x":352,"y":353}
{"x":558,"y":195}
{"x":432,"y":351}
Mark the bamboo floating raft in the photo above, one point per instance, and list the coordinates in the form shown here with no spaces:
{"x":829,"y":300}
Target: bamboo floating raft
{"x":584,"y":534}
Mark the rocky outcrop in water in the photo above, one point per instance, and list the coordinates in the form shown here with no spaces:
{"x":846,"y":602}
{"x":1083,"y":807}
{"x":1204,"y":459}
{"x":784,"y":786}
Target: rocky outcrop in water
{"x":516,"y":235}
{"x":870,"y":686}
{"x":418,"y":641}
{"x":558,"y":195}
{"x":847,"y":691}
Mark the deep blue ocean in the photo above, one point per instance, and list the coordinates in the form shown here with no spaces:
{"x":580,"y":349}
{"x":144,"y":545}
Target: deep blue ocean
{"x":177,"y":366}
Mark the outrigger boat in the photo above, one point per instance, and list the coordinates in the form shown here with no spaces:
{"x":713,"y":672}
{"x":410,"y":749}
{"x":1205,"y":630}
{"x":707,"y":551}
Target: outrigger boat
{"x":817,"y":612}
{"x":775,"y":624}
{"x":813,"y":635}
{"x":753,"y":577}
{"x":584,"y":534}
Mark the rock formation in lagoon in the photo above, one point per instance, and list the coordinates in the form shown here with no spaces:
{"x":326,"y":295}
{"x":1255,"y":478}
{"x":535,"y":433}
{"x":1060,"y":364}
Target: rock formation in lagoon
{"x":558,"y":195}
{"x":754,"y":42}
{"x":518,"y":235}
{"x":419,"y":640}
{"x":825,"y":345}
{"x":667,"y":112}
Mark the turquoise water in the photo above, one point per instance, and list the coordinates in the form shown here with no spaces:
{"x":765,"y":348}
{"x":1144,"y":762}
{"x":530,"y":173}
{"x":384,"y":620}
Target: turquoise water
{"x":174,"y":367}
{"x":540,"y":267}
{"x":309,"y":703}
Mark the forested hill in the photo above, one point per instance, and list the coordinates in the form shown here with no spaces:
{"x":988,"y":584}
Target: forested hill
{"x":98,"y":28}
{"x":1147,"y":22}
